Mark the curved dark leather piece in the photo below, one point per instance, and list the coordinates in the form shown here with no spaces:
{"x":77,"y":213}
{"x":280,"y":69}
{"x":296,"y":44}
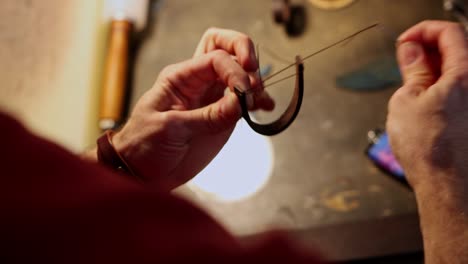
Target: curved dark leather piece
{"x":287,"y":117}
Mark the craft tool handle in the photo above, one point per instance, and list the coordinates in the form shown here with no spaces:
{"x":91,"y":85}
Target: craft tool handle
{"x":115,"y":75}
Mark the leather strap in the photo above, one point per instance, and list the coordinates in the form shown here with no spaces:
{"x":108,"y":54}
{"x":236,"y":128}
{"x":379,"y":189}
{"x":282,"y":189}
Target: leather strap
{"x":108,"y":156}
{"x":288,"y":117}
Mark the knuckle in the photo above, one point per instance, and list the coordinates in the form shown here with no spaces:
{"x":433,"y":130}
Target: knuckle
{"x":169,"y":70}
{"x":419,"y":76}
{"x":211,"y":31}
{"x":244,"y":39}
{"x":420,"y":73}
{"x":232,"y":75}
{"x":235,"y":76}
{"x":455,"y":27}
{"x":230,"y":72}
{"x":427,"y":22}
{"x":219,"y":53}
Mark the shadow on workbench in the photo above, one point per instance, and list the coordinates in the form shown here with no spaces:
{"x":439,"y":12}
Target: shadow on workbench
{"x":415,"y":258}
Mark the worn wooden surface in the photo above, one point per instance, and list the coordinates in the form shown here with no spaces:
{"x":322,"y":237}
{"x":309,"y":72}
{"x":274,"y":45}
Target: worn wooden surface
{"x":321,"y":178}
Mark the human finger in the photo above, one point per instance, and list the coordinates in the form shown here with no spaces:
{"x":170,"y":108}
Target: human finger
{"x":213,"y":118}
{"x":193,"y":77}
{"x":257,"y":97}
{"x":448,"y":37}
{"x":415,"y":67}
{"x":233,"y":42}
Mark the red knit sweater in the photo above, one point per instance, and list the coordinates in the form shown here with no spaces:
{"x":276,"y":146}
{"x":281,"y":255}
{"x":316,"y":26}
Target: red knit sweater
{"x":57,"y":208}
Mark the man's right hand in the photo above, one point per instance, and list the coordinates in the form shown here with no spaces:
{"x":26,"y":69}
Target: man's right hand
{"x":180,"y":124}
{"x":428,"y":128}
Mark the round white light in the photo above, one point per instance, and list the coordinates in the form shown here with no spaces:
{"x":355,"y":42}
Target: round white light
{"x":241,"y":168}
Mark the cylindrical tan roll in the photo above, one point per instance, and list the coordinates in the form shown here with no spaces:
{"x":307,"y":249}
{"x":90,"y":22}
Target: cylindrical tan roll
{"x":115,"y":74}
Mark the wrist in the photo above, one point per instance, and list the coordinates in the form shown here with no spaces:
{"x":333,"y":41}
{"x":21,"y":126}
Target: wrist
{"x":123,"y":146}
{"x":441,"y":192}
{"x":443,"y":218}
{"x":109,"y":155}
{"x":442,"y":186}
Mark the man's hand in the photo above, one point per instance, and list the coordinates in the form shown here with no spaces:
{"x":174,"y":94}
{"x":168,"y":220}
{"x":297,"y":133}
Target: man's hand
{"x":179,"y":125}
{"x":428,"y":128}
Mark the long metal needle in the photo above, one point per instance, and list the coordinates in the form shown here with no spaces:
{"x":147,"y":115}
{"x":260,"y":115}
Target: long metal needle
{"x":322,"y":50}
{"x":265,"y":85}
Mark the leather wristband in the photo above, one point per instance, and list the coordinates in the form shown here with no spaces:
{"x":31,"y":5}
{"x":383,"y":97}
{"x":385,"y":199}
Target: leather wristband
{"x":109,"y":156}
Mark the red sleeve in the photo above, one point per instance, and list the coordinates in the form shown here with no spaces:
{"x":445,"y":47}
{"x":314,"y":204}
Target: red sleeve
{"x":57,"y":208}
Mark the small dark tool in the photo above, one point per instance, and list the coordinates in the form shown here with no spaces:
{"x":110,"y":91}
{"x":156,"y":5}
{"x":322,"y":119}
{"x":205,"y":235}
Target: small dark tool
{"x":292,"y":16}
{"x":281,"y":11}
{"x":292,"y":111}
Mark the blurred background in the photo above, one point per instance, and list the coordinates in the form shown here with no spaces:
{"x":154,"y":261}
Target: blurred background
{"x":314,"y":180}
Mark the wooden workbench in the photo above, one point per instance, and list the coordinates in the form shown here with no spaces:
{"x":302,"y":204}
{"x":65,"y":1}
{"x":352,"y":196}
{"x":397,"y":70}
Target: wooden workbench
{"x":319,"y":163}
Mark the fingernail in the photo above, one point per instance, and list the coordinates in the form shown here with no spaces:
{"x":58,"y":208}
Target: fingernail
{"x":410,"y":52}
{"x":250,"y":100}
{"x":253,"y":59}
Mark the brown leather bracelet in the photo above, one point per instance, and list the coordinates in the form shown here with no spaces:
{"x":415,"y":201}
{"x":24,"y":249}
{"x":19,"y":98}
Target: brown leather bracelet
{"x":109,"y":156}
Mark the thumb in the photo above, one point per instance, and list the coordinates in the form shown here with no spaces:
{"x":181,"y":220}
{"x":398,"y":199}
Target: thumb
{"x":216,"y":117}
{"x":414,"y":66}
